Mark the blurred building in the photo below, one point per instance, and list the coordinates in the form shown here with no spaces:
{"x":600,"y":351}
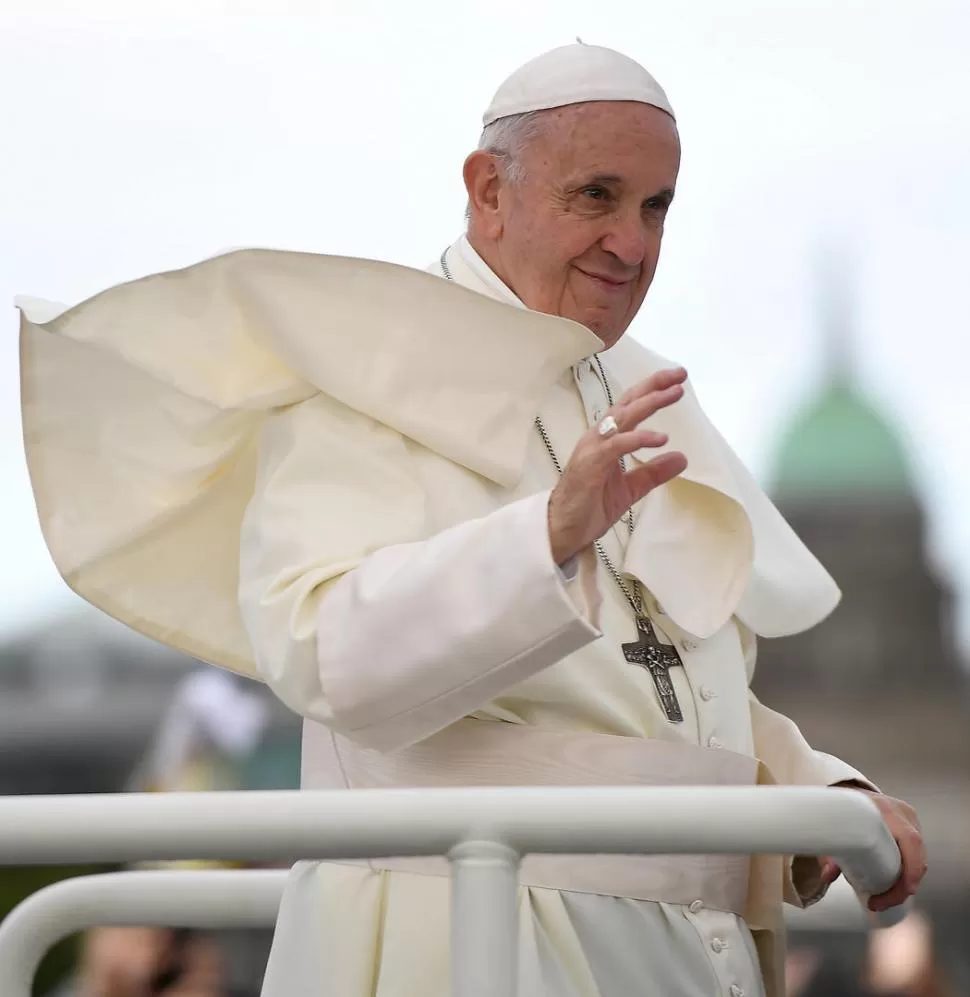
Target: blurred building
{"x":880,"y":683}
{"x":81,"y":698}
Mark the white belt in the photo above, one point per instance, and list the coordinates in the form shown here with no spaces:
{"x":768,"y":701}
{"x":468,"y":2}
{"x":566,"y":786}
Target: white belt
{"x":487,"y":753}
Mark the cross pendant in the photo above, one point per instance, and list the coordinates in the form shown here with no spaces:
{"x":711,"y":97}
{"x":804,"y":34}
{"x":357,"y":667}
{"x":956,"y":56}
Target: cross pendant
{"x":658,"y":659}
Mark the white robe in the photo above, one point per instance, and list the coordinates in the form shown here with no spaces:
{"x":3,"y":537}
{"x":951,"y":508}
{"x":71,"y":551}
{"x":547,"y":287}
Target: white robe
{"x":352,"y":932}
{"x":392,"y":573}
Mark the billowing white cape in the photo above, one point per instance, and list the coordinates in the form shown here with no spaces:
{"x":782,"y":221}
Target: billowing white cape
{"x":142,"y":408}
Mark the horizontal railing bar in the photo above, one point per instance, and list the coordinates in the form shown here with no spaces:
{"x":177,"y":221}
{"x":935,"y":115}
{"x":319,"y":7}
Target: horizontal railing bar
{"x":483,"y":831}
{"x":337,"y":824}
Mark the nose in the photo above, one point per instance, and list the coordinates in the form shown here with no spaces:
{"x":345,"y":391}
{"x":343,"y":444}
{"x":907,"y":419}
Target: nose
{"x":628,"y":240}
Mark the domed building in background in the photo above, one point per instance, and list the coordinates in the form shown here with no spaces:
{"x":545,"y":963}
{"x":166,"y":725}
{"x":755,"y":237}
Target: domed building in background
{"x":879,"y":683}
{"x":843,"y":481}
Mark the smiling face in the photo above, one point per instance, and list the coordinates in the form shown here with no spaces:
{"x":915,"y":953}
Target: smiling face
{"x":574,"y":229}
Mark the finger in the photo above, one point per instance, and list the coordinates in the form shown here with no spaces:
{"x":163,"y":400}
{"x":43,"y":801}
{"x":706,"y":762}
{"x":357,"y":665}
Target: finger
{"x":609,"y":453}
{"x":914,"y":860}
{"x":622,"y":444}
{"x":901,"y":890}
{"x":656,"y":382}
{"x":891,"y":898}
{"x":631,"y":414}
{"x":655,"y":473}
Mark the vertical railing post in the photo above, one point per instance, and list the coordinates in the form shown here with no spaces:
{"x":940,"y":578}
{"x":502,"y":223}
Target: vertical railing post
{"x":484,"y":919}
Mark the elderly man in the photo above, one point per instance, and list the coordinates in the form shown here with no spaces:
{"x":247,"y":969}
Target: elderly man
{"x":483,"y":539}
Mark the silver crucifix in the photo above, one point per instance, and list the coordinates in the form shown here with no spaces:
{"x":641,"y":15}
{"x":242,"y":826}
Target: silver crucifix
{"x":658,"y":659}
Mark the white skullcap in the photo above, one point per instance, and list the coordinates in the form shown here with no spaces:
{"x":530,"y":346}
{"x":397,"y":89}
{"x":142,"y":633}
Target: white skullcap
{"x":575,"y":74}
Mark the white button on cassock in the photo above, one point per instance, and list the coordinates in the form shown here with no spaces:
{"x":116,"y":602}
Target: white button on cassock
{"x":713,"y":742}
{"x":707,"y":693}
{"x":696,"y":907}
{"x":719,"y":945}
{"x":736,"y":991}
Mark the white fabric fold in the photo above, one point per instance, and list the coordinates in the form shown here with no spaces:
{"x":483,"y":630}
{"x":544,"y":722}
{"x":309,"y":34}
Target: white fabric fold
{"x":143,"y":408}
{"x":710,"y":545}
{"x":377,"y":647}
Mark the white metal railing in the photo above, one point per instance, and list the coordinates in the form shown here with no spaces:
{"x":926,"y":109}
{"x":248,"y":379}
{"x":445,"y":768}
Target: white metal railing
{"x":484,"y":833}
{"x":196,"y":899}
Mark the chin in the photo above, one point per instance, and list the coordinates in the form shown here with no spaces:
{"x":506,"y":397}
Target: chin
{"x":611,"y":332}
{"x":610,"y":339}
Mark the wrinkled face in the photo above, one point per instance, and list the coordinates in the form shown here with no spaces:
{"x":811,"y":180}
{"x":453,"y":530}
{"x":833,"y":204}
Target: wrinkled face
{"x":578,"y":235}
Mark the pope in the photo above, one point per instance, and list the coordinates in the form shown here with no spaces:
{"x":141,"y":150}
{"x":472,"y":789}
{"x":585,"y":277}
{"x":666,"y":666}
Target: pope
{"x":473,"y":533}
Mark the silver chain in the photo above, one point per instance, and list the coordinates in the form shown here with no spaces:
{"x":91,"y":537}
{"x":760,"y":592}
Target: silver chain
{"x":632,"y":595}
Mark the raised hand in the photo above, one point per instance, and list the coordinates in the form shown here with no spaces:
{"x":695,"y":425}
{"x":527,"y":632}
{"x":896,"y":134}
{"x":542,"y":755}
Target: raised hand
{"x":595,"y":491}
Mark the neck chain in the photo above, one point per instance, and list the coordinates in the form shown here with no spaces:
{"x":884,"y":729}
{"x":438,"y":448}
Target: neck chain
{"x":632,"y":594}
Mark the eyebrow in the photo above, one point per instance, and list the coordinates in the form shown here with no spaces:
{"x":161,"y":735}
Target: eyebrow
{"x":606,"y":179}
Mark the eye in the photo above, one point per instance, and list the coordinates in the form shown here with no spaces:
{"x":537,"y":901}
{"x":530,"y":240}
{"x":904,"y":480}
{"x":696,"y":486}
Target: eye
{"x":659,"y":203}
{"x":596,"y":193}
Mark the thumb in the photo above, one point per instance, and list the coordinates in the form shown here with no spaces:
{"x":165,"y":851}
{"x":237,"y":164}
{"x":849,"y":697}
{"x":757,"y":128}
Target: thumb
{"x":830,"y":872}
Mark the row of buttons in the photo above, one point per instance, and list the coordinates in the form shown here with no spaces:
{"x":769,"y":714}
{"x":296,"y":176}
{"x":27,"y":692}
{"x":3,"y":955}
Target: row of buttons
{"x":719,"y":945}
{"x":706,"y":693}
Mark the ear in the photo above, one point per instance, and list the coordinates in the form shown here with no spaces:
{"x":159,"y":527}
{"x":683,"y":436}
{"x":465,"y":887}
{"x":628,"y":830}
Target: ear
{"x":483,"y":182}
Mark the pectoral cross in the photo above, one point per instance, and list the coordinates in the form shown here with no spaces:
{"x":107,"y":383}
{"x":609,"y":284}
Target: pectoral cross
{"x":658,"y":659}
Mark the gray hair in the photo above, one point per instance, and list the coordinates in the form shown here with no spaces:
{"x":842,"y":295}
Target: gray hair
{"x":507,"y":138}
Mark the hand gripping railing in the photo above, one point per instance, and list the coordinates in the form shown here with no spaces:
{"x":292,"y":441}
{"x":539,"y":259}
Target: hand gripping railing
{"x":484,"y":832}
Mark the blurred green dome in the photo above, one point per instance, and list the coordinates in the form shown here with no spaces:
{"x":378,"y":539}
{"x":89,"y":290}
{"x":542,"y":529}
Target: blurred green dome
{"x":841,"y":445}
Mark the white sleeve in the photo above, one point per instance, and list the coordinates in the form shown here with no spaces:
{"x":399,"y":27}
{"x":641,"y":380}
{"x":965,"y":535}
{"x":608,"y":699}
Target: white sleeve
{"x":363,"y":621}
{"x":792,"y":762}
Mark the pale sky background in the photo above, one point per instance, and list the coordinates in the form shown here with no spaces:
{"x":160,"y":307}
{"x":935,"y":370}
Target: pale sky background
{"x":147,"y":143}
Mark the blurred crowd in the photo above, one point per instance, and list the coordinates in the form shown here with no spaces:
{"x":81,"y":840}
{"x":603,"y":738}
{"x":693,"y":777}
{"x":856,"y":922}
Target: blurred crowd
{"x":215,"y":735}
{"x":899,"y":962}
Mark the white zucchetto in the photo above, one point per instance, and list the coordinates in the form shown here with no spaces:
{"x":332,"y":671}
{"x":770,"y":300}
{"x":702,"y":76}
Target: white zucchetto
{"x":575,"y":74}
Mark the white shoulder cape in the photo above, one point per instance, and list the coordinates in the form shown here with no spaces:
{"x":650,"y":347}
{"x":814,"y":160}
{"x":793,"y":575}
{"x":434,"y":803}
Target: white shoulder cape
{"x":142,"y":409}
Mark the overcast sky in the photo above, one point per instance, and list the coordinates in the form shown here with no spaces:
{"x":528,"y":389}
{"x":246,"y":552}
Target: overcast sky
{"x":133,"y":146}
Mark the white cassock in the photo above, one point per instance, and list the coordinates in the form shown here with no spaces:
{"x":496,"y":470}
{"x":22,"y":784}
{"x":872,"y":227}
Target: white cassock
{"x":368,"y":432}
